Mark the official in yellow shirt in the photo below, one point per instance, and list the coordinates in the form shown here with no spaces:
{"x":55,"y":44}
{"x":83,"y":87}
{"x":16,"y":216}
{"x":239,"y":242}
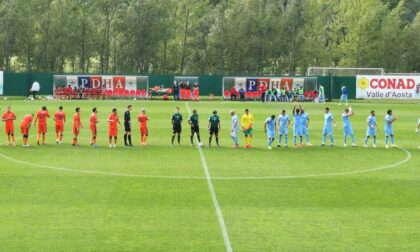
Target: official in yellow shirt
{"x":247,"y":121}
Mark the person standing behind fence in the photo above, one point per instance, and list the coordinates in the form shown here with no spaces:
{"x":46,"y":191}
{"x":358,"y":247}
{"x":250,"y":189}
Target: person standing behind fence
{"x":35,"y":89}
{"x":321,"y":95}
{"x":344,"y":95}
{"x":232,"y":93}
{"x":301,"y":94}
{"x":261,"y":89}
{"x":175,"y":90}
{"x":241,"y":94}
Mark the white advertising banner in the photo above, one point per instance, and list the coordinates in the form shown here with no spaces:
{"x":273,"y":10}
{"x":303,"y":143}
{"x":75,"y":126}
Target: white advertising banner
{"x":130,"y":83}
{"x":240,"y":83}
{"x":387,"y":87}
{"x":72,"y":81}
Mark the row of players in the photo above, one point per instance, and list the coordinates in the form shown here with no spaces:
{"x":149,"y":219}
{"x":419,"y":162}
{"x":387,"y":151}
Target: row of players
{"x":300,"y":127}
{"x":60,"y":119}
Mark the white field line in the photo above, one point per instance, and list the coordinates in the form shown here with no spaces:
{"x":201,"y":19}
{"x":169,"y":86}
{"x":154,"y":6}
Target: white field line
{"x":213,"y":195}
{"x":94,"y":172}
{"x":407,"y":158}
{"x":395,"y":165}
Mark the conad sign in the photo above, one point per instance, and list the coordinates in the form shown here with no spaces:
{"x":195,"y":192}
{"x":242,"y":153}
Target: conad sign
{"x":388,"y":87}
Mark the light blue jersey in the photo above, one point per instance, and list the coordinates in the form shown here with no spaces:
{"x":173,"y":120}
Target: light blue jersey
{"x":271,"y":127}
{"x":348,"y":130}
{"x":328,"y":123}
{"x":235,"y":125}
{"x":283,"y":122}
{"x":304,"y":121}
{"x":297,"y":125}
{"x":388,"y":125}
{"x":371,"y":130}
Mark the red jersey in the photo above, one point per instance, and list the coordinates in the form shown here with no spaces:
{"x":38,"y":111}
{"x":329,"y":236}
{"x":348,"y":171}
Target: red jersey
{"x":113,"y":121}
{"x":142,"y":120}
{"x":76,"y":120}
{"x":42,"y":117}
{"x":8,"y":117}
{"x":27,"y":120}
{"x":93,"y":119}
{"x":262,"y":88}
{"x":59,"y":117}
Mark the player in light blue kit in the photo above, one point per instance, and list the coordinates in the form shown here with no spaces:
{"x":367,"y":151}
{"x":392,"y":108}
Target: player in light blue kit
{"x":234,"y":129}
{"x":284,"y":123}
{"x":371,"y":129}
{"x":389,"y":132}
{"x":297,"y":127}
{"x":270,"y":129}
{"x":305,"y":124}
{"x":348,"y":129}
{"x":328,"y":127}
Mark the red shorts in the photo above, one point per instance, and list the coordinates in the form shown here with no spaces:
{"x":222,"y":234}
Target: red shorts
{"x":93,"y":130}
{"x":113,"y":132}
{"x":59,"y":128}
{"x":24,"y":129}
{"x":10,"y":129}
{"x":42,"y":128}
{"x":144,"y":131}
{"x":76,"y":131}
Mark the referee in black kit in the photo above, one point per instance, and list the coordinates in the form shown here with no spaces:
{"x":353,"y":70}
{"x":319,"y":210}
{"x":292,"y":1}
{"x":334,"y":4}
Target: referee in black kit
{"x":127,"y":126}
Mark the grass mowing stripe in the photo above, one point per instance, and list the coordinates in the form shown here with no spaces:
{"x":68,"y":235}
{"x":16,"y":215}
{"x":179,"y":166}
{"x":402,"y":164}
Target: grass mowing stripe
{"x":213,"y":195}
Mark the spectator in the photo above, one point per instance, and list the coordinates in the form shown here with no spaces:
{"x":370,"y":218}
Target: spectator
{"x":283,"y":94}
{"x":175,"y":91}
{"x":233,"y":93}
{"x":276,"y":93}
{"x":321,"y":95}
{"x":268,"y":95}
{"x":301,"y":94}
{"x":241,"y":94}
{"x":261,"y":89}
{"x":35,"y":89}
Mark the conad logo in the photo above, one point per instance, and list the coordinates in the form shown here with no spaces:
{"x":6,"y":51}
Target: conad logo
{"x":363,"y":83}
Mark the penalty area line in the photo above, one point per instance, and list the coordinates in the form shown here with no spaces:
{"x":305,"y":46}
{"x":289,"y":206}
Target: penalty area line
{"x":216,"y":204}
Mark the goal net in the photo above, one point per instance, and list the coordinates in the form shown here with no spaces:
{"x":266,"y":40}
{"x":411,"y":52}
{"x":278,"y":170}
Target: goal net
{"x":343,"y":71}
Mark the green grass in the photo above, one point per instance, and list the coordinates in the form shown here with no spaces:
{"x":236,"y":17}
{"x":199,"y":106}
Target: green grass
{"x":104,"y":200}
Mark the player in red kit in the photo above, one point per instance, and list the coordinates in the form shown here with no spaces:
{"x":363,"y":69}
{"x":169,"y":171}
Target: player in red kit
{"x":77,"y":124}
{"x":144,"y":132}
{"x":93,"y":120}
{"x":8,"y":118}
{"x":25,"y":125}
{"x":113,"y":121}
{"x":60,"y":120}
{"x":41,"y":118}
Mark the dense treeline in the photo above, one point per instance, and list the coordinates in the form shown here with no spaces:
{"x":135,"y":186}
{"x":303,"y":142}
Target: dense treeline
{"x":208,"y":36}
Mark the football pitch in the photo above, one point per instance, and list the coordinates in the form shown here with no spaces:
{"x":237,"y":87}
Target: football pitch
{"x":182,"y":198}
